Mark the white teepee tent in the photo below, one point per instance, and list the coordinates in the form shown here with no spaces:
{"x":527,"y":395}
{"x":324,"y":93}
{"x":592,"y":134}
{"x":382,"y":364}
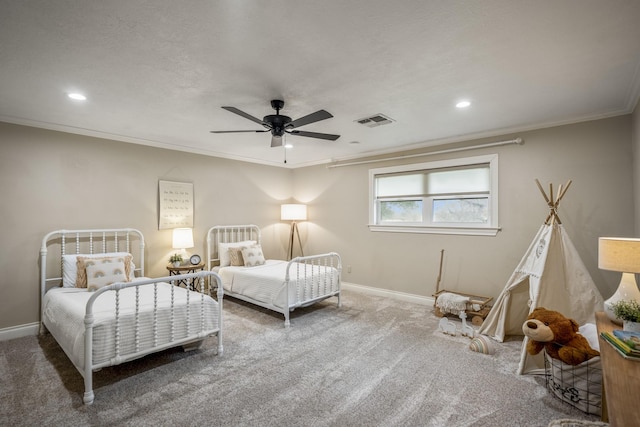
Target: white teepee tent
{"x":551,"y":275}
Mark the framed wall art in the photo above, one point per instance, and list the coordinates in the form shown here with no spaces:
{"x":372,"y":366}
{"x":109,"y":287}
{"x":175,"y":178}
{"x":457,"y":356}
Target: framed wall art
{"x":176,"y":204}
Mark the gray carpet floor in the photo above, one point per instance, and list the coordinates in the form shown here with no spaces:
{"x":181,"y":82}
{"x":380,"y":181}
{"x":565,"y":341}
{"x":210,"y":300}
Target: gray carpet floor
{"x":373,"y":362}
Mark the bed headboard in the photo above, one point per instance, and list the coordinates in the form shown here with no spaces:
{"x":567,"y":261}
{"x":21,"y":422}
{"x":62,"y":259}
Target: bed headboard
{"x":70,"y":242}
{"x":228,"y":234}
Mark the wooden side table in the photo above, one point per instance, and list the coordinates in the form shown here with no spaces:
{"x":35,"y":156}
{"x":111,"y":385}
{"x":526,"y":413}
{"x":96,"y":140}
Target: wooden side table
{"x":185,"y":269}
{"x":621,"y":381}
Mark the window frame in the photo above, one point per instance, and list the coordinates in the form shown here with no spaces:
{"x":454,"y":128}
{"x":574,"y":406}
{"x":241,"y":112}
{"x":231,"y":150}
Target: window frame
{"x":491,"y":228}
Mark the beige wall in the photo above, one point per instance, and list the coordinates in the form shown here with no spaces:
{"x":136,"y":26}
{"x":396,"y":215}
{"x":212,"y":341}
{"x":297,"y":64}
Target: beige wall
{"x":51,"y":178}
{"x":595,"y":155}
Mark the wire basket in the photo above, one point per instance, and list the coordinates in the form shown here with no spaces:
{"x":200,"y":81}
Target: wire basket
{"x":579,"y":386}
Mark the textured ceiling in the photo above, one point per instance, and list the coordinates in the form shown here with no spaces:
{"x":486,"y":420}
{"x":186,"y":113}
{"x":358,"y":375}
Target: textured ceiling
{"x":157,"y":72}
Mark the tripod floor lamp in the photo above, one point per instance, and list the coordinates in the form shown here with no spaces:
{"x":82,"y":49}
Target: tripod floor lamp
{"x":293,"y":213}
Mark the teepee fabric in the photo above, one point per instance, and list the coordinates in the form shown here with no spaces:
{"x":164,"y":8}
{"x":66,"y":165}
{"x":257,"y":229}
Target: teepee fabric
{"x":550,"y":275}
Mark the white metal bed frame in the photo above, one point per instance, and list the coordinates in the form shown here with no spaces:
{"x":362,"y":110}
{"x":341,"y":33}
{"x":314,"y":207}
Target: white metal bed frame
{"x":303,"y":298}
{"x":96,"y":241}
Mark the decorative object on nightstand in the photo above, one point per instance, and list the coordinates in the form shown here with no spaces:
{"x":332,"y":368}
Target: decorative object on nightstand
{"x":629,"y":312}
{"x":623,"y":255}
{"x":195,"y":259}
{"x":293,"y":213}
{"x":183,"y":240}
{"x":175,"y":260}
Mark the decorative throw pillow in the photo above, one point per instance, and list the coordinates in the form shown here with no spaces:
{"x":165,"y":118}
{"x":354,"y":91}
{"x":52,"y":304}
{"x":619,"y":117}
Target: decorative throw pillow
{"x":70,"y":266}
{"x":253,"y":256}
{"x":101,"y":273}
{"x":235,"y":257}
{"x":83,"y":262}
{"x":223,"y":250}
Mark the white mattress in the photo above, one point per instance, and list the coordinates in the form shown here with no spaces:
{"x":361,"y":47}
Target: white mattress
{"x":266,"y":283}
{"x":64,"y":311}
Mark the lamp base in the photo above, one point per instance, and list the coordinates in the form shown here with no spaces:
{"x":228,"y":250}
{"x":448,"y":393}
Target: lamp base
{"x":627,"y":290}
{"x":294,"y":232}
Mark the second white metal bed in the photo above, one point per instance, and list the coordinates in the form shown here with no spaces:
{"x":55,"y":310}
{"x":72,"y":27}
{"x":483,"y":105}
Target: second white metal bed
{"x":281,"y":286}
{"x":125,"y":320}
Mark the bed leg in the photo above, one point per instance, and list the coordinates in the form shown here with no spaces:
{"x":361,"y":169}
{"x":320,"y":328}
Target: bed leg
{"x":339,"y":301}
{"x":287,"y":323}
{"x":88,"y":397}
{"x":220,"y":346}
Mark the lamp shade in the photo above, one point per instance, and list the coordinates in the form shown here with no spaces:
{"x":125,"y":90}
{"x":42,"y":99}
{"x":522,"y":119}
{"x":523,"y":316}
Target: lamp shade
{"x":182,"y":238}
{"x":293,"y":212}
{"x":619,"y":254}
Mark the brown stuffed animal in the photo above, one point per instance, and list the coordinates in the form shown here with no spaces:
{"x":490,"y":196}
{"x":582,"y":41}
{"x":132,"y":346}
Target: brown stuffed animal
{"x":558,"y":335}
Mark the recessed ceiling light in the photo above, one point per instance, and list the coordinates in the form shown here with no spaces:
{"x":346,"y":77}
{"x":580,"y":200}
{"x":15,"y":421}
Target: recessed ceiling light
{"x":463,"y":104}
{"x":77,"y":96}
{"x":288,"y":145}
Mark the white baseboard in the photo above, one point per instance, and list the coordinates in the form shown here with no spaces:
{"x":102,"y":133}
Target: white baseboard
{"x":416,"y":299}
{"x":19,"y":331}
{"x":33,"y":328}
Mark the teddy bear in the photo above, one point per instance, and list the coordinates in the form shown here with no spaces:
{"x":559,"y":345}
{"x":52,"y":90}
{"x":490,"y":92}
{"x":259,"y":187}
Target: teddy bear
{"x":558,"y":335}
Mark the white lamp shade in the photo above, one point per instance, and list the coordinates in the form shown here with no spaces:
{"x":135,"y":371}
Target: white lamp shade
{"x":182,"y":238}
{"x":619,"y":254}
{"x":293,"y":212}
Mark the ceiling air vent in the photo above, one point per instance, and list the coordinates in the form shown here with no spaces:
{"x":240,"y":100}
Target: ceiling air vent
{"x":377,"y":120}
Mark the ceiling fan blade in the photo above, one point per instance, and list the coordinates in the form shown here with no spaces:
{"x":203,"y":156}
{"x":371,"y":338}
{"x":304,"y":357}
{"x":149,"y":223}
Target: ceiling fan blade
{"x":327,"y":136}
{"x":237,"y":131}
{"x":245,"y":115}
{"x":311,"y":118}
{"x":276,"y":141}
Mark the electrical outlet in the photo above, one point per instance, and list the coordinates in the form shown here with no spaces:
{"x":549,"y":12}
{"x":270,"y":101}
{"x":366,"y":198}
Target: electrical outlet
{"x":348,"y":269}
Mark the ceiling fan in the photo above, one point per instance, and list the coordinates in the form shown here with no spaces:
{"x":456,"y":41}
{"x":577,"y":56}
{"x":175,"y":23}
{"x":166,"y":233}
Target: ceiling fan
{"x":278,"y":124}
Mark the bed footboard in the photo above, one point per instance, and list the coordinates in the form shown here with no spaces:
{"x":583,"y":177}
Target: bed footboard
{"x":190,"y":316}
{"x":310,"y":279}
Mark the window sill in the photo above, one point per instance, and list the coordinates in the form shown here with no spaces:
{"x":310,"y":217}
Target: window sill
{"x":464,"y":231}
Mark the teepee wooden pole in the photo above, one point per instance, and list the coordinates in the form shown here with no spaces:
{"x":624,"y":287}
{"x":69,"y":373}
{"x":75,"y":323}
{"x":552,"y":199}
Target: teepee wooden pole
{"x":542,"y":191}
{"x":551,"y":202}
{"x":566,"y":187}
{"x":546,"y":199}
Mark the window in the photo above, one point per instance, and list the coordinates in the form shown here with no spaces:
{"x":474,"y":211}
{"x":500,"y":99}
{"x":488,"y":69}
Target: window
{"x":457,"y":196}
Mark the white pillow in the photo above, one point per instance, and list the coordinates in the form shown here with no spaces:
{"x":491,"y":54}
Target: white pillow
{"x":223,"y":250}
{"x":104,"y":273}
{"x":70,"y":269}
{"x":253,"y":256}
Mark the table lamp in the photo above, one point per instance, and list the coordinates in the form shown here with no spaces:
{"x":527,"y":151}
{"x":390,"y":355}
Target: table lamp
{"x":293,"y":213}
{"x":623,"y":255}
{"x":182,"y":239}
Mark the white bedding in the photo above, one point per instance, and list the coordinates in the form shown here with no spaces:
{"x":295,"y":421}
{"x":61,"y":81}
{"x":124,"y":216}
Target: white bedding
{"x":266,"y":283}
{"x":64,"y":311}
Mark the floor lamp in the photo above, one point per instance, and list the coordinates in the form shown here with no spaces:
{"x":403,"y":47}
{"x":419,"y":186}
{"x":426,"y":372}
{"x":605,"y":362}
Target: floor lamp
{"x":293,"y":213}
{"x":623,"y":255}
